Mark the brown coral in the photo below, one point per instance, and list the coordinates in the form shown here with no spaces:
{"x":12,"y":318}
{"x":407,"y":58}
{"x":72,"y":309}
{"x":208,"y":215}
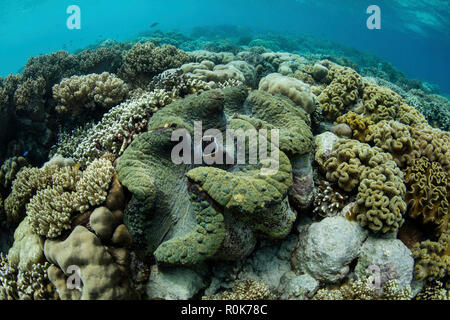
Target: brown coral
{"x":344,"y":91}
{"x":145,"y":60}
{"x":393,"y":137}
{"x":379,"y":205}
{"x":357,"y":123}
{"x":77,"y":92}
{"x":428,"y":191}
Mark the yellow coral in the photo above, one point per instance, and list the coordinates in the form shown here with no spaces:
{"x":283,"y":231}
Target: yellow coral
{"x":357,"y":123}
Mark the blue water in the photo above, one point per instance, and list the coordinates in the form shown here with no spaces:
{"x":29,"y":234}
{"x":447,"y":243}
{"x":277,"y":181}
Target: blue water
{"x":414,"y":34}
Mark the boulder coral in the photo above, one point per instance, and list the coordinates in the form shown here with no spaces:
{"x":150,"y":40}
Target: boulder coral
{"x":292,"y":88}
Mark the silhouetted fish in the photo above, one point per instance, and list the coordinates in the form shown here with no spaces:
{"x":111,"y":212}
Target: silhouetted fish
{"x":154,"y":24}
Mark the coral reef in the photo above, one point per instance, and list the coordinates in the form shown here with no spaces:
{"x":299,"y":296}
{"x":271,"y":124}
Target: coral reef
{"x":358,"y":124}
{"x":432,"y":258}
{"x":365,"y":290}
{"x":31,"y":284}
{"x":52,"y":194}
{"x":83,"y":249}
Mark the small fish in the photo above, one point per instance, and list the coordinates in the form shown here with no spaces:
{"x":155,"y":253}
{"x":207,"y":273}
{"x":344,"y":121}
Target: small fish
{"x":77,"y":166}
{"x":154,"y":24}
{"x":11,"y":160}
{"x":26,"y":153}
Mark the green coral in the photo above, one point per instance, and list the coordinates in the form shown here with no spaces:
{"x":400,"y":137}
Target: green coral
{"x":292,"y":121}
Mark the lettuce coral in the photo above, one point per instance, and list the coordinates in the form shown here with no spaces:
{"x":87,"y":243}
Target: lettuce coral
{"x":394,"y":138}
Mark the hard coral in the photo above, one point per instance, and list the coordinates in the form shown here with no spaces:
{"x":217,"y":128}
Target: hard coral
{"x":77,"y":92}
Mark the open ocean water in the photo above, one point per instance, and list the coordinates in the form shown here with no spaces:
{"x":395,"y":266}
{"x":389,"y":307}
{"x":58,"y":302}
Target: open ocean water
{"x":414,"y":34}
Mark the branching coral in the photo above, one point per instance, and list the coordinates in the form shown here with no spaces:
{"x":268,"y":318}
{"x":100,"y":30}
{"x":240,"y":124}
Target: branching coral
{"x":31,"y":284}
{"x":379,"y":205}
{"x":244,"y":290}
{"x":344,"y":89}
{"x":29,"y":95}
{"x":365,"y":290}
{"x":8,"y":173}
{"x":78,"y":92}
{"x":52,"y":194}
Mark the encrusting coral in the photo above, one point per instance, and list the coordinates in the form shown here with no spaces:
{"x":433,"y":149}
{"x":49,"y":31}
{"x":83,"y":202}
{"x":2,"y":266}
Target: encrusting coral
{"x":77,"y":92}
